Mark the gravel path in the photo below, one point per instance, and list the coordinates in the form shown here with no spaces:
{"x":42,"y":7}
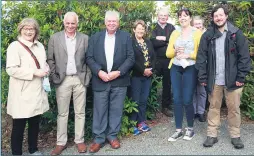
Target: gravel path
{"x":155,"y":143}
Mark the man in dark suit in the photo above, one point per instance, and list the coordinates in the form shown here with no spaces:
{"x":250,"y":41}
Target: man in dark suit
{"x":160,"y":38}
{"x":110,"y":57}
{"x":71,"y":76}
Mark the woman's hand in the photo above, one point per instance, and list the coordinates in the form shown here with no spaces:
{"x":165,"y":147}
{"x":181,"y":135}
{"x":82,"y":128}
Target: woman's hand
{"x":182,"y":56}
{"x":148,"y":72}
{"x":40,"y":73}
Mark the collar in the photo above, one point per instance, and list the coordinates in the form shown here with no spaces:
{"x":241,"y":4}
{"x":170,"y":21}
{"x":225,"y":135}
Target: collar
{"x":72,"y":38}
{"x":162,"y":25}
{"x":226,"y":26}
{"x":28,"y":43}
{"x":107,"y":35}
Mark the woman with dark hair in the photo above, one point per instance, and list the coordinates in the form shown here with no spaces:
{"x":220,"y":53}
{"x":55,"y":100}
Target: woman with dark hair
{"x":141,"y":75}
{"x":182,"y":49}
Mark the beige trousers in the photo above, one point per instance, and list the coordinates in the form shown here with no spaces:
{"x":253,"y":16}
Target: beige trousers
{"x":233,"y":105}
{"x":70,"y":85}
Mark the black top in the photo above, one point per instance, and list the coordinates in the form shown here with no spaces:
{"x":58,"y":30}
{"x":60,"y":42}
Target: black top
{"x":144,"y":56}
{"x":160,"y":47}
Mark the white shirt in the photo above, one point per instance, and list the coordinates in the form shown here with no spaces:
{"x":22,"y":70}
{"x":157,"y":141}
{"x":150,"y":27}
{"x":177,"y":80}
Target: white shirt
{"x":162,"y":25}
{"x":109,"y":46}
{"x":71,"y":64}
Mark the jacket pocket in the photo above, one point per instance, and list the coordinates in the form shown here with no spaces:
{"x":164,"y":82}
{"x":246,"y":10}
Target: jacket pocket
{"x":22,"y":85}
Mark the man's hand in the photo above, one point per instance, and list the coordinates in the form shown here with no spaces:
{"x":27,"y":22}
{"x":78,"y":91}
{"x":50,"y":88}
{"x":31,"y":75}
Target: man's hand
{"x":148,"y":72}
{"x":203,"y":84}
{"x":239,"y":83}
{"x":113,"y":75}
{"x":104,"y":76}
{"x":161,"y":38}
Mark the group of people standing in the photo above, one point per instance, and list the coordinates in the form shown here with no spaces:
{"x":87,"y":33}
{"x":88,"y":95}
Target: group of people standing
{"x":187,"y":60}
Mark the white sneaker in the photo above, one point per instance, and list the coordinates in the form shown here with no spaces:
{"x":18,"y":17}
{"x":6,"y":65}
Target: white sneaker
{"x":36,"y":153}
{"x":189,"y":134}
{"x":177,"y":135}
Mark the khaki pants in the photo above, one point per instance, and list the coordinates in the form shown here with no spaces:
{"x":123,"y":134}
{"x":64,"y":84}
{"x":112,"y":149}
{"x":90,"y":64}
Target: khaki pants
{"x":233,"y":105}
{"x":70,"y":85}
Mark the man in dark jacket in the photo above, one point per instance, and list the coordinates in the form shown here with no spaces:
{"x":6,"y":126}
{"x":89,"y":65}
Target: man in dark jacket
{"x":160,"y":38}
{"x":223,"y":62}
{"x":110,"y":57}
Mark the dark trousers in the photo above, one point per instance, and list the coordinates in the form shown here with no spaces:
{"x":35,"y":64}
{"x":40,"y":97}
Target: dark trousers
{"x":140,"y":89}
{"x":107,"y":113}
{"x":17,"y":134}
{"x":161,"y":69}
{"x":183,"y":86}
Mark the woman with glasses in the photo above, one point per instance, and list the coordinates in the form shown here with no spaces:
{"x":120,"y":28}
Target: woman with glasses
{"x":27,"y":99}
{"x":182,"y":49}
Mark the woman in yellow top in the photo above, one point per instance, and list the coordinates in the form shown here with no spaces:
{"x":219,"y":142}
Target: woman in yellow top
{"x":182,"y":49}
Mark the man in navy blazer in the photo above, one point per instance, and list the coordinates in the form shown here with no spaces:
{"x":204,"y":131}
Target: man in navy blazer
{"x":110,"y":57}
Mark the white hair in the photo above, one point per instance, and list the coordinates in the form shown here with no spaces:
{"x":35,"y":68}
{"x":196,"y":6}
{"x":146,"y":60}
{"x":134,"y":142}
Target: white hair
{"x":73,"y":14}
{"x":163,"y":10}
{"x":112,"y":13}
{"x":198,"y":18}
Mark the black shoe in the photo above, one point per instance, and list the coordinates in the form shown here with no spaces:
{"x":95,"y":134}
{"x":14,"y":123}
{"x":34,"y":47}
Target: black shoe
{"x":237,"y":142}
{"x":167,"y":112}
{"x":210,"y":141}
{"x":201,"y":118}
{"x":196,"y":116}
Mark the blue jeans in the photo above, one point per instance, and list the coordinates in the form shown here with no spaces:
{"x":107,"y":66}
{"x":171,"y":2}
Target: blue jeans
{"x":183,"y":86}
{"x":140,"y":89}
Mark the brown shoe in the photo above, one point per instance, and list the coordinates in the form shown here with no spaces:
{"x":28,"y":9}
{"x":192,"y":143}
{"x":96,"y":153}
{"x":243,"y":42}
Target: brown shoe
{"x":114,"y":144}
{"x":94,"y":148}
{"x":81,"y":147}
{"x":58,"y":150}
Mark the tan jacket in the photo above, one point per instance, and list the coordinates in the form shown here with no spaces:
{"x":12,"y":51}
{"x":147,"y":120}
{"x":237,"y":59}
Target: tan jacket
{"x":26,"y":97}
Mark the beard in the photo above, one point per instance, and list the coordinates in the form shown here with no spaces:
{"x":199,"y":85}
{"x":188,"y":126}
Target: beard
{"x":220,"y":26}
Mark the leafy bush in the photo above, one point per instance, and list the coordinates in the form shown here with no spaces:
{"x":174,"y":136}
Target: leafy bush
{"x":247,"y":99}
{"x":91,"y":19}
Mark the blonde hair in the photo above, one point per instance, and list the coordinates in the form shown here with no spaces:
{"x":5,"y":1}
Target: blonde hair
{"x":137,"y":22}
{"x":141,"y":22}
{"x":29,"y":22}
{"x":111,"y":13}
{"x":198,"y":18}
{"x":73,"y":14}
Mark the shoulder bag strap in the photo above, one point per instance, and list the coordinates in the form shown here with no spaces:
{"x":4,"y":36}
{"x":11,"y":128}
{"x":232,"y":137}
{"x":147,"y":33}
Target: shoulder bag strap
{"x":31,"y":53}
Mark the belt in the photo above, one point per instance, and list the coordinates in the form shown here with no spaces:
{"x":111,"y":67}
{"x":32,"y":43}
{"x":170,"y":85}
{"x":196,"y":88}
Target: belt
{"x":72,"y":75}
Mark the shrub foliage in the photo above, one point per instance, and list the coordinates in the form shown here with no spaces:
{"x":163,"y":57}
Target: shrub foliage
{"x":91,"y":19}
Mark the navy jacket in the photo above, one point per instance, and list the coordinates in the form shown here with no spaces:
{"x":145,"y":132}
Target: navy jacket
{"x":123,"y":59}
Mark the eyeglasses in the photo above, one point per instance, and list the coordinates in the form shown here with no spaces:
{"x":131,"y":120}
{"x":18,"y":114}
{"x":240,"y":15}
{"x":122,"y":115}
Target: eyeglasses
{"x":29,"y":29}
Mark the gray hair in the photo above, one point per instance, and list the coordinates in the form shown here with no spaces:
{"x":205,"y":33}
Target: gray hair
{"x":163,"y":10}
{"x":111,"y":13}
{"x":198,"y":18}
{"x":29,"y":22}
{"x":73,"y":14}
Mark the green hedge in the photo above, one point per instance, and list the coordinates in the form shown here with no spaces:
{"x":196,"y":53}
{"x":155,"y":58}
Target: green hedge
{"x":91,"y":20}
